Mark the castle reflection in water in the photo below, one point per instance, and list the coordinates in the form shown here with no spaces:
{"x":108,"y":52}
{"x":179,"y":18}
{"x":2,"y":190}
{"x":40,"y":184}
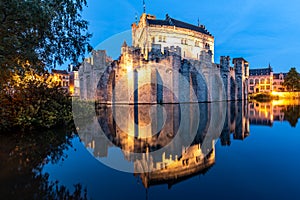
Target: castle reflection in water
{"x":163,"y":152}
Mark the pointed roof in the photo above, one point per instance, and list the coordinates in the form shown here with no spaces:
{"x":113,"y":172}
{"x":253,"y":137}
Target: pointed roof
{"x":124,"y":44}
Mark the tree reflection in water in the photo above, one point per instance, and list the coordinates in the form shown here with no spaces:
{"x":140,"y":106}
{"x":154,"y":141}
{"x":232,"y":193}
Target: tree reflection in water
{"x":265,"y":113}
{"x":292,"y":114}
{"x":22,"y":160}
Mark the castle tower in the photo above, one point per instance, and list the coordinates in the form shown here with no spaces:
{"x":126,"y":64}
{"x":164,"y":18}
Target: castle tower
{"x":150,"y":32}
{"x":241,"y":67}
{"x":225,"y":74}
{"x":90,"y":72}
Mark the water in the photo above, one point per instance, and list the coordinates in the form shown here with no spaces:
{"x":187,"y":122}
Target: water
{"x":239,"y":151}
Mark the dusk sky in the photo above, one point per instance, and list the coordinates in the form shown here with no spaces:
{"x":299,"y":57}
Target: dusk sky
{"x":262,"y":32}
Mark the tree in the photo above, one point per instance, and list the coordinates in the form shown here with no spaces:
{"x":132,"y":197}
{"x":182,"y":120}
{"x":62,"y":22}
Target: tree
{"x":38,"y":34}
{"x":292,"y":80}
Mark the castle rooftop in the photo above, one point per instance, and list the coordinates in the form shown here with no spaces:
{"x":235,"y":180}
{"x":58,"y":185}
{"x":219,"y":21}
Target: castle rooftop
{"x":173,"y":22}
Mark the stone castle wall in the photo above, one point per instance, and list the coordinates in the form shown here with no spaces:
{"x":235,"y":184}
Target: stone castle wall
{"x":164,"y":78}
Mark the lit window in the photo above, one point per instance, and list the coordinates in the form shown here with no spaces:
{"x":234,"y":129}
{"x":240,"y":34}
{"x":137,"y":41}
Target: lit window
{"x":160,"y":39}
{"x":262,"y":81}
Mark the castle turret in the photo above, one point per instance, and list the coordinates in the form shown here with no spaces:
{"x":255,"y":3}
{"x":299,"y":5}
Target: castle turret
{"x":225,"y":74}
{"x":124,"y":47}
{"x":241,"y":66}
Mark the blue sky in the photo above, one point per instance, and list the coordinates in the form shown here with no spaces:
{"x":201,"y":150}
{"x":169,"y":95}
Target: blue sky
{"x":260,"y":31}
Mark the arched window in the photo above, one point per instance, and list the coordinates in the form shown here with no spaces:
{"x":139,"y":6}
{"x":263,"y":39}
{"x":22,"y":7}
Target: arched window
{"x":256,"y":81}
{"x":160,"y":39}
{"x":262,"y":81}
{"x":251,"y":81}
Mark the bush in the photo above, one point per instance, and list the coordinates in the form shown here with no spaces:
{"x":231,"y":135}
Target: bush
{"x":32,"y":102}
{"x":263,"y":97}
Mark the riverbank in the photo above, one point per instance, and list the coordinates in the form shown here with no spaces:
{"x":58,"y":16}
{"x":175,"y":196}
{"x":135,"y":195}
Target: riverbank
{"x":274,"y":96}
{"x":286,"y":95}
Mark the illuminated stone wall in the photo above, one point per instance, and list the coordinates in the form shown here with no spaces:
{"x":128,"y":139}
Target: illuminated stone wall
{"x":90,"y":73}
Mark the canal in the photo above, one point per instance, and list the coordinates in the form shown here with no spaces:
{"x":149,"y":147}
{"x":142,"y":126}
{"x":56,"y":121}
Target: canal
{"x":222,"y":150}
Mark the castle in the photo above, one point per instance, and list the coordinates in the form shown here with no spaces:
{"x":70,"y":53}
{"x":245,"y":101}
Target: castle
{"x":170,"y":61}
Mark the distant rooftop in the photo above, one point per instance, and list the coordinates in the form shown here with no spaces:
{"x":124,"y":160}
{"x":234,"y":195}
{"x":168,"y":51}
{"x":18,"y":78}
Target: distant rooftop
{"x":173,"y":22}
{"x":60,"y":71}
{"x":276,"y":76}
{"x":261,"y":71}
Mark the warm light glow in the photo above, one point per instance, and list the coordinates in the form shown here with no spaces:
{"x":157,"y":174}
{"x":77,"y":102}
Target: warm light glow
{"x":129,"y":68}
{"x":71,"y":90}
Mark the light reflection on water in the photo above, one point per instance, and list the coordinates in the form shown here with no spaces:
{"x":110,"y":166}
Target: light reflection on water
{"x":255,"y":156}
